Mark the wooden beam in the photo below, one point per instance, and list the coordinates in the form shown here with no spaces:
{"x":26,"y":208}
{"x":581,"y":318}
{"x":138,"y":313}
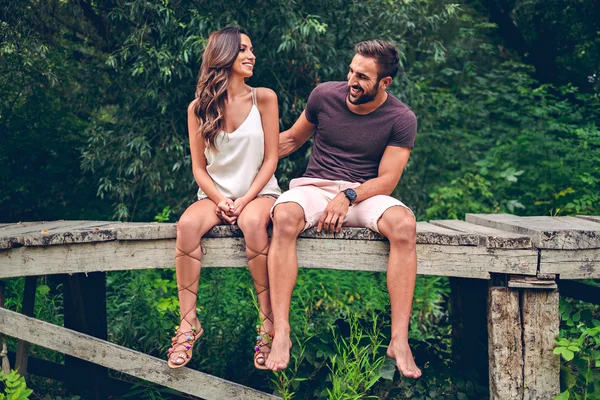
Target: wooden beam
{"x":357,"y":255}
{"x":593,"y":218}
{"x":4,"y":361}
{"x":27,"y":309}
{"x":541,"y":368}
{"x":488,"y":237}
{"x":52,"y":370}
{"x":560,"y":233}
{"x":122,"y":359}
{"x":85,"y":312}
{"x":468,"y":315}
{"x":505,"y":346}
{"x":571,"y":264}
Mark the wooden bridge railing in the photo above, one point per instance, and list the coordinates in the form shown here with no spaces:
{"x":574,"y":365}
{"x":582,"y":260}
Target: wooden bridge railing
{"x":514,"y":261}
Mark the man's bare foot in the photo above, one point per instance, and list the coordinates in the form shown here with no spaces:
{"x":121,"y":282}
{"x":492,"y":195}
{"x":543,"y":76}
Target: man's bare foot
{"x":280,"y":353}
{"x":400,"y":351}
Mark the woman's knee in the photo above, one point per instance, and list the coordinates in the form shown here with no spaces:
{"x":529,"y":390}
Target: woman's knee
{"x":253,"y":224}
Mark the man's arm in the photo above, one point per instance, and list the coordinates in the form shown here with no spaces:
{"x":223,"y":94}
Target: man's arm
{"x":390,"y":170}
{"x":292,"y":139}
{"x":392,"y":165}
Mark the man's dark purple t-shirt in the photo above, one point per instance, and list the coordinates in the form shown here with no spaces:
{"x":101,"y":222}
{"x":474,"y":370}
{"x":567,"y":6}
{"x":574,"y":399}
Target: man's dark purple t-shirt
{"x":349,"y":146}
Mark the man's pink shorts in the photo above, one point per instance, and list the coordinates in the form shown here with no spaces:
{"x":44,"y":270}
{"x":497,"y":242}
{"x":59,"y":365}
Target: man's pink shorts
{"x":313,"y":195}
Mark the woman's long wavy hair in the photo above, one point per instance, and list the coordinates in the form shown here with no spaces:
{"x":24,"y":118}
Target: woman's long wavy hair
{"x":219,"y":55}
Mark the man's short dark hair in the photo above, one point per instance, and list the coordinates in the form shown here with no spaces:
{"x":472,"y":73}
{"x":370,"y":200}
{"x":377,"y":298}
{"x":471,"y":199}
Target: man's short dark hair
{"x":385,"y":54}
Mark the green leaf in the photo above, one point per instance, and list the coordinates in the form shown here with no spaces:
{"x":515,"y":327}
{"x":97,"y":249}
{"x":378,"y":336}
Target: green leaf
{"x":563,"y":396}
{"x":568,"y":354}
{"x":388,"y":369}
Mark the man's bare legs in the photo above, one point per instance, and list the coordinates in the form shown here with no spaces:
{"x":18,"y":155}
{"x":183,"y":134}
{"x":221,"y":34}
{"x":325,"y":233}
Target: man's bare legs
{"x":253,"y":222}
{"x":193,"y":224}
{"x":288,"y":222}
{"x":399,"y":226}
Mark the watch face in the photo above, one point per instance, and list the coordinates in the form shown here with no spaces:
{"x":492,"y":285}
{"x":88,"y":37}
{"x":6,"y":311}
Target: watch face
{"x":350,"y":194}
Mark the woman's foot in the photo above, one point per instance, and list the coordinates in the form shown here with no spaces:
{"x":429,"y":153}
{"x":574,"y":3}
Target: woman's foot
{"x":182,"y":344}
{"x":262,"y":347}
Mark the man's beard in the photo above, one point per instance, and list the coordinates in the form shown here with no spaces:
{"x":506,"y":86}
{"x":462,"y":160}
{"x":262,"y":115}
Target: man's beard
{"x":365,"y":97}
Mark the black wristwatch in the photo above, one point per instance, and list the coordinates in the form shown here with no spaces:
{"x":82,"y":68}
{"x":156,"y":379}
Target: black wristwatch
{"x":350,"y":195}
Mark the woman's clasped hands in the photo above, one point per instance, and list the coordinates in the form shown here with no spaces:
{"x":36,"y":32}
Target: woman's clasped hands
{"x":229,"y":210}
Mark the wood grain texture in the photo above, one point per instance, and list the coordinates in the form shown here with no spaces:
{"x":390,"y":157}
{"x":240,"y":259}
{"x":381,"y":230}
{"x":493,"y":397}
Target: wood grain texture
{"x":576,"y":264}
{"x":71,"y":232}
{"x":541,"y":373}
{"x":122,"y":359}
{"x":488,"y":237}
{"x":365,"y":255}
{"x":504,"y":344}
{"x":593,"y":218}
{"x":560,"y":233}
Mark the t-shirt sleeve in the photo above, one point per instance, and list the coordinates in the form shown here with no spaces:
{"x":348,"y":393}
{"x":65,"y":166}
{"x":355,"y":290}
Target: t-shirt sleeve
{"x":311,"y":112}
{"x":404,"y":130}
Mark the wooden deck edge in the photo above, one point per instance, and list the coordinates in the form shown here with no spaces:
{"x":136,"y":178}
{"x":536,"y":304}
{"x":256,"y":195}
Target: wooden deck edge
{"x":122,"y":359}
{"x":355,"y":255}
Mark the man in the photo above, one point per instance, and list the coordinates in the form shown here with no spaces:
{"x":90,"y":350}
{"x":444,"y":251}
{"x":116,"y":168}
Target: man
{"x":363,"y":139}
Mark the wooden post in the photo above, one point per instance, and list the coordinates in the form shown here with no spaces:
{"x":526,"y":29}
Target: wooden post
{"x":469,"y":327}
{"x":3,"y":350}
{"x":28,"y":304}
{"x":505,"y":344}
{"x":85,"y":312}
{"x":541,"y":373}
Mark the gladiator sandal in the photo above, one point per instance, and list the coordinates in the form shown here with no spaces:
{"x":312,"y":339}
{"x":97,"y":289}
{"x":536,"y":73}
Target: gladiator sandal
{"x":264,"y":339}
{"x":183,"y":349}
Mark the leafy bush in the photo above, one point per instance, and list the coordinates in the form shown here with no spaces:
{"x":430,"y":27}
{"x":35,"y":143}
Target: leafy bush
{"x":15,"y":387}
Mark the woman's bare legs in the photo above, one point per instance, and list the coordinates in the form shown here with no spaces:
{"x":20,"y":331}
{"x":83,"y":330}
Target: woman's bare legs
{"x":253,"y":222}
{"x":193,"y":224}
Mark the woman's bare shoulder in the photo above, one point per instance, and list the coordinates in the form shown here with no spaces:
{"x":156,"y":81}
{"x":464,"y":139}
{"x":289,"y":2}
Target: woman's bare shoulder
{"x":265,"y":96}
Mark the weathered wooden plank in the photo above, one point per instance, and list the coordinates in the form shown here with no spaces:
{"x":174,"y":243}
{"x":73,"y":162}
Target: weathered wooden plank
{"x":13,"y":235}
{"x":50,"y":233}
{"x":71,"y":232}
{"x":505,"y":346}
{"x":593,"y":218}
{"x":145,"y":231}
{"x":541,"y":368}
{"x":27,"y":309}
{"x":122,"y":359}
{"x":488,"y":237}
{"x":459,"y":261}
{"x":561,"y":233}
{"x":575,"y":264}
{"x":4,"y":361}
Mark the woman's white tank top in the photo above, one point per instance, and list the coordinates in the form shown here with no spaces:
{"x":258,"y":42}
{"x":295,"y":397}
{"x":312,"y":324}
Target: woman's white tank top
{"x":239,"y":157}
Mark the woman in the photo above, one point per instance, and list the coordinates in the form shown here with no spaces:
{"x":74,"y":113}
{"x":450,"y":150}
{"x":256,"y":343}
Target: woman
{"x":233,"y":131}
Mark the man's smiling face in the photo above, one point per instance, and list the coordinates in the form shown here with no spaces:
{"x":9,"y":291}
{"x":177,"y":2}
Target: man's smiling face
{"x":363,"y":80}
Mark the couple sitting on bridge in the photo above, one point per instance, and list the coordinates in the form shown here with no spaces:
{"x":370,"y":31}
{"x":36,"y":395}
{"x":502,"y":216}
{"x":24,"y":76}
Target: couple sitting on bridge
{"x":363,"y":138}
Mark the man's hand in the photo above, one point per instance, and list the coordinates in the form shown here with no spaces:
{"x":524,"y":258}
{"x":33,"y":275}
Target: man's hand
{"x":334,"y":214}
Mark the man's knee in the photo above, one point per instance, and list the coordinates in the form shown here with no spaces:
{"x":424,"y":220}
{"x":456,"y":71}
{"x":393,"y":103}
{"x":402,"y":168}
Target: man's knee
{"x":288,"y":220}
{"x":399,"y":226}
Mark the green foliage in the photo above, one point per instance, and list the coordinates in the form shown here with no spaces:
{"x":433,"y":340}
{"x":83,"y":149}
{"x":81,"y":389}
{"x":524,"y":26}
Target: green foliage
{"x":579,"y":347}
{"x":15,"y":387}
{"x":357,"y":364}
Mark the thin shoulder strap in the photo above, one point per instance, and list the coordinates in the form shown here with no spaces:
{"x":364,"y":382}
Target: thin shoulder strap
{"x":254,"y":96}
